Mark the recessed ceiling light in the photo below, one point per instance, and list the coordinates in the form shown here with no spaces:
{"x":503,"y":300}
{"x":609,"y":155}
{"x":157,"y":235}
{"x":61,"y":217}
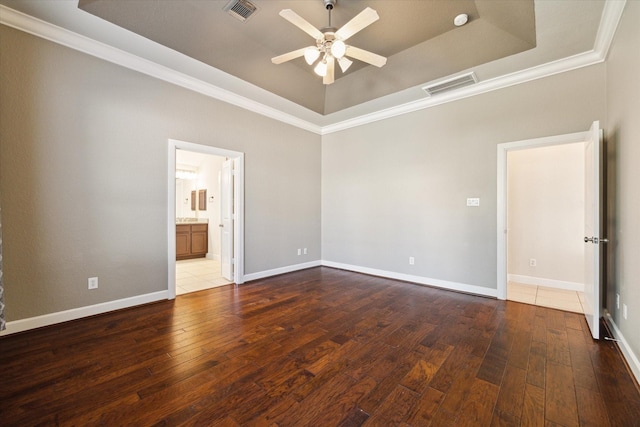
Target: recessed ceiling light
{"x":461,"y":19}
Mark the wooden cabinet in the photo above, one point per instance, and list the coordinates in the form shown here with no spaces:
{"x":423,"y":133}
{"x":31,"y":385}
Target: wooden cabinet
{"x":191,"y":240}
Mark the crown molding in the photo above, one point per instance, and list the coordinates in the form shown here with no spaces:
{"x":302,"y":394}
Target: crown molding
{"x":37,"y":27}
{"x":611,"y":15}
{"x":507,"y":80}
{"x":608,"y":25}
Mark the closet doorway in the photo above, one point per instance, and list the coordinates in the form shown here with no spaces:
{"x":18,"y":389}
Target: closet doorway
{"x":545,"y":223}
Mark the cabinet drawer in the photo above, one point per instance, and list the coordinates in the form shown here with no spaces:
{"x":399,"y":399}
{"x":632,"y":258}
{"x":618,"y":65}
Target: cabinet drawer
{"x":183,"y":228}
{"x":198,"y":227}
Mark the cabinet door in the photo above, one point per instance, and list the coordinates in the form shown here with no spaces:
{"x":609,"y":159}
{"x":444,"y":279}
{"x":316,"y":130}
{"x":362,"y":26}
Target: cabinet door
{"x":199,"y":243}
{"x":183,"y":243}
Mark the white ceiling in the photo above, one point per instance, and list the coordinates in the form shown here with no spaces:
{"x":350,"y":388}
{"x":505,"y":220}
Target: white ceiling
{"x":568,"y":34}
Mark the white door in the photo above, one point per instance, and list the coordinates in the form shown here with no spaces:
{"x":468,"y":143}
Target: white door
{"x":593,"y":242}
{"x":226,"y":219}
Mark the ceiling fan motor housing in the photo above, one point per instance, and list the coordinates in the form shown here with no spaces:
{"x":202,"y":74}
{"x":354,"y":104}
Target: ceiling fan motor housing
{"x":329,"y":4}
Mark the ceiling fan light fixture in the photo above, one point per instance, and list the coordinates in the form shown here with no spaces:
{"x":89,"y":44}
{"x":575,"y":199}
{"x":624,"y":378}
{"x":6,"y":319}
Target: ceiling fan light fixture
{"x":344,"y":63}
{"x":330,"y":43}
{"x":338,"y":49}
{"x":311,"y":54}
{"x":321,"y":68}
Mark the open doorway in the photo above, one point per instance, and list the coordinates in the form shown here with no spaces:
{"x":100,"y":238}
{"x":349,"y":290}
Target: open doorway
{"x":545,"y":223}
{"x":527,"y":266}
{"x":198,"y":216}
{"x":591,"y":142}
{"x":205,"y":221}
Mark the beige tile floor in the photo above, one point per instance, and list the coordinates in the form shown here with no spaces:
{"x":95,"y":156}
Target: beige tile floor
{"x":547,"y":297}
{"x":198,"y":274}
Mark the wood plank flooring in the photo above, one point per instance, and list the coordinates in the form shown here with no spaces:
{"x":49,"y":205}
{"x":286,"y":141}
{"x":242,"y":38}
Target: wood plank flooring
{"x":319,"y":347}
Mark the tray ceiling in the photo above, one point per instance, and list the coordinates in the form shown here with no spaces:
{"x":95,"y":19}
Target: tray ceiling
{"x":418,"y":37}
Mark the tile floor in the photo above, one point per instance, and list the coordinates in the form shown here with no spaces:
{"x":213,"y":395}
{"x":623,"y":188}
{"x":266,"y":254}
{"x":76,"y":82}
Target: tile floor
{"x":198,"y":274}
{"x":547,"y":297}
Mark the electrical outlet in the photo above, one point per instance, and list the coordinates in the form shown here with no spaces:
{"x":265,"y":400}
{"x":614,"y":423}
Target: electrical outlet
{"x":473,"y":201}
{"x":532,"y":262}
{"x":412,"y":260}
{"x":304,"y":251}
{"x":299,"y":251}
{"x":618,"y":301}
{"x":624,"y":311}
{"x":92,"y":283}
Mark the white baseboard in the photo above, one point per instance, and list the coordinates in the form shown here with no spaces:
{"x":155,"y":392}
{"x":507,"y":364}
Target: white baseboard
{"x":77,"y":313}
{"x":215,"y":257}
{"x":445,"y":284}
{"x":550,"y":283}
{"x":627,"y":352}
{"x":281,"y":270}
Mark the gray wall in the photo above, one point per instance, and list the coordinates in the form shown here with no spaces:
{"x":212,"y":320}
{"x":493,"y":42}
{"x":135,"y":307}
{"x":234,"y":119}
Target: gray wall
{"x":83,"y":177}
{"x":623,"y":143}
{"x":397,"y":188}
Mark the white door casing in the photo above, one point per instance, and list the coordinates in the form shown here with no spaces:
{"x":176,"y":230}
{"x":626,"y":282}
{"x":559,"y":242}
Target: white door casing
{"x":502,"y":150}
{"x":238,"y":208}
{"x":226,"y":219}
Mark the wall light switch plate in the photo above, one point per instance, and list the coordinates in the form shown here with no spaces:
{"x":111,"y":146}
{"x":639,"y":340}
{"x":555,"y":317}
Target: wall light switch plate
{"x":473,"y":201}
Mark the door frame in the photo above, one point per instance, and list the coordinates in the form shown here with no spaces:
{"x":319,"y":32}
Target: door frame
{"x":501,"y":229}
{"x":238,"y":192}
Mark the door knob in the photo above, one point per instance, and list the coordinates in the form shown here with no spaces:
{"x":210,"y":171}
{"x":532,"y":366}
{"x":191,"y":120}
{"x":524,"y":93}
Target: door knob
{"x":595,"y":240}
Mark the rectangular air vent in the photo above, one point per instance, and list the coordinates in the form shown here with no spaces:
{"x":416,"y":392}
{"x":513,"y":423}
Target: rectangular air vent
{"x":451,"y":84}
{"x":240,"y":9}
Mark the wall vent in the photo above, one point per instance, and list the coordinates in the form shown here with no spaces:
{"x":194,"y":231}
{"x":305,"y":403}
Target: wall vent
{"x":240,"y":9}
{"x":451,"y":84}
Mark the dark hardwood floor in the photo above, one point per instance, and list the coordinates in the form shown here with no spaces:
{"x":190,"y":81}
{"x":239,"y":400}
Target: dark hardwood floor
{"x":320,"y":347}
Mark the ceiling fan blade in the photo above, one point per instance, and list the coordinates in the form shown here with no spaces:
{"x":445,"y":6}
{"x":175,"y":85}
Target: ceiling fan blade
{"x":357,"y":23}
{"x":331,"y":68}
{"x":288,"y":56}
{"x":366,"y":56}
{"x":301,"y":23}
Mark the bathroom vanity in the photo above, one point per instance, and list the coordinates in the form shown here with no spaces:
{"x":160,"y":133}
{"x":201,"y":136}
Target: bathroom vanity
{"x":191,"y":240}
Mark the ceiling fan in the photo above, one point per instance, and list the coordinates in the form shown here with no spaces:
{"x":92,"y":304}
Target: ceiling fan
{"x":330,"y":43}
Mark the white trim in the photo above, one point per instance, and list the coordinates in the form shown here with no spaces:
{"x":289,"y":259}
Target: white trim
{"x":609,"y":21}
{"x":81,"y":312}
{"x":625,"y":348}
{"x":502,"y":150}
{"x":238,"y":227}
{"x":281,"y":270}
{"x":507,"y":80}
{"x":541,"y":281}
{"x":611,"y":15}
{"x":444,"y":284}
{"x":171,"y":219}
{"x":238,"y":219}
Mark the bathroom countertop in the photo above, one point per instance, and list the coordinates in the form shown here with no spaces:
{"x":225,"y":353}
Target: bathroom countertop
{"x":192,"y":221}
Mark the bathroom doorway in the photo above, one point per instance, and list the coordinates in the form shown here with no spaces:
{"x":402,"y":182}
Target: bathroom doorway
{"x":205,"y":199}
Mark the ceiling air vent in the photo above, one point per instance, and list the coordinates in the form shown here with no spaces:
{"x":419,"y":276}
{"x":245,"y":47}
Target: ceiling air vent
{"x":451,"y":84}
{"x":240,"y":9}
